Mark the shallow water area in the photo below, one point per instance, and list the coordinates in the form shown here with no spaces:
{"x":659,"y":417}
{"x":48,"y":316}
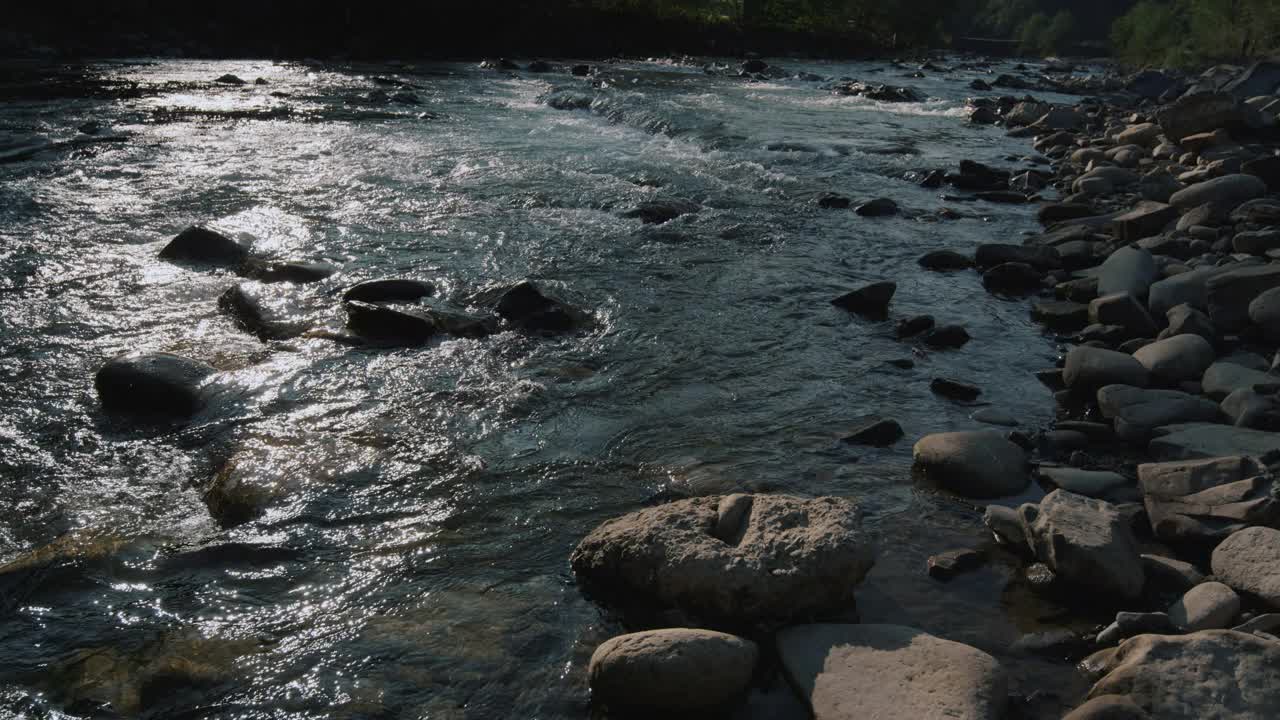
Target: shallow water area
{"x":421,"y":504}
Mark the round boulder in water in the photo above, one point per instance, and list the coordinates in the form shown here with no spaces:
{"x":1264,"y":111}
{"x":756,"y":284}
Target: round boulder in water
{"x":389,"y":290}
{"x":527,"y":306}
{"x":677,"y":669}
{"x":160,"y":382}
{"x":973,"y":464}
{"x":389,"y":326}
{"x":204,"y":246}
{"x":738,"y":558}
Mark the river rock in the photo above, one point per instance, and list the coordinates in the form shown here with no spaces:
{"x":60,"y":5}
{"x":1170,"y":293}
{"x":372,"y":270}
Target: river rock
{"x":1230,"y":293}
{"x":990,"y":255}
{"x":1128,"y":624}
{"x":528,"y":307}
{"x":1138,"y":412}
{"x":1256,"y":242}
{"x":942,"y":260}
{"x":1201,"y":440}
{"x":1249,"y":561}
{"x":200,"y":245}
{"x":1186,"y":320}
{"x":1089,"y":483}
{"x":1223,"y":378}
{"x":789,"y":556}
{"x":152,"y":382}
{"x":1225,"y":193}
{"x":975,"y":464}
{"x":1124,"y":310}
{"x":955,"y":389}
{"x":1086,"y":542}
{"x":1210,"y":606}
{"x":870,"y":299}
{"x":1266,"y":169}
{"x":1061,"y":315}
{"x":1147,"y":218}
{"x":1260,"y":78}
{"x":1128,"y":270}
{"x":657,"y":212}
{"x":947,"y":336}
{"x":1144,"y":134}
{"x":255,"y":312}
{"x":860,"y":672}
{"x":1176,"y":359}
{"x":389,"y":290}
{"x":1207,"y":675}
{"x":296,"y":272}
{"x":674,"y":670}
{"x":1189,"y":288}
{"x":1171,"y":573}
{"x":1089,"y":368}
{"x":1013,"y":278}
{"x":879,"y":433}
{"x":880,"y":207}
{"x":389,"y":326}
{"x":1264,"y":312}
{"x":1247,"y":408}
{"x":1262,"y":212}
{"x":1198,"y":113}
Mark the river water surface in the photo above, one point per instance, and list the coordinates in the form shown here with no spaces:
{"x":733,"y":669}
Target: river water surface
{"x":412,"y":560}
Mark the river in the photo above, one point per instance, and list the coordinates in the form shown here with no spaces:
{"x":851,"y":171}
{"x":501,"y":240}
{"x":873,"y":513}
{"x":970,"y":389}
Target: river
{"x":412,"y":559}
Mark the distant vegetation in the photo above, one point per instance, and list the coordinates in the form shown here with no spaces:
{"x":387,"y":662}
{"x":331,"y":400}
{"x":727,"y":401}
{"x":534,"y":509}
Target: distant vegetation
{"x":1175,"y":32}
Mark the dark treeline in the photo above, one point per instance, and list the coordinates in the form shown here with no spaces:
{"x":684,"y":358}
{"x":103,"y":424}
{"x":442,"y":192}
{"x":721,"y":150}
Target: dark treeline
{"x":1145,"y":31}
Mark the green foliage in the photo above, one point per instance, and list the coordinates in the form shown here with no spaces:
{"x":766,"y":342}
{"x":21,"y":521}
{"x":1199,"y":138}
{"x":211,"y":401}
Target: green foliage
{"x":1188,"y":32}
{"x":1046,"y":36}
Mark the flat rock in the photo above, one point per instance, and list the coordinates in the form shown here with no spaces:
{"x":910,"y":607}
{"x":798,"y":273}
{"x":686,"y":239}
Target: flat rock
{"x":1225,"y":193}
{"x":1202,"y":440}
{"x":1223,"y":378}
{"x":1086,"y":542}
{"x":162,"y":383}
{"x":974,"y":464}
{"x":1176,"y":359}
{"x":989,"y":255}
{"x":787,"y":556}
{"x":866,"y":672}
{"x":1137,"y":412}
{"x":1207,"y":675}
{"x":676,"y":669}
{"x":1249,"y":562}
{"x":1147,"y":218}
{"x":389,"y":326}
{"x":1090,"y":483}
{"x":1170,"y":572}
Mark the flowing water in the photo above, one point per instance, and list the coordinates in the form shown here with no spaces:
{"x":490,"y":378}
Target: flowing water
{"x":412,"y":558}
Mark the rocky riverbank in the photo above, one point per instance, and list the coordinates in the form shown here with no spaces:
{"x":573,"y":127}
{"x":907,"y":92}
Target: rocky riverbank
{"x":1157,"y":272}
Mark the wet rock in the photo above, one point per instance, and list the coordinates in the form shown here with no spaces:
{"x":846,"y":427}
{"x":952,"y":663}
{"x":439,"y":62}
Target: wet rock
{"x":1138,"y":412}
{"x":980,"y":85}
{"x":1171,"y":573}
{"x":973,"y":464}
{"x":1123,"y":309}
{"x":947,"y":565}
{"x":1267,"y":623}
{"x":1230,"y":293}
{"x":461,"y":324}
{"x":252,"y":311}
{"x":1089,"y":483}
{"x":199,"y":245}
{"x":229,"y":79}
{"x":1013,"y":278}
{"x":1248,"y":409}
{"x":870,"y":299}
{"x":1257,"y":242}
{"x":580,"y":70}
{"x":879,"y":433}
{"x":992,"y":416}
{"x":1223,"y":378}
{"x":834,"y":202}
{"x":1086,"y":542}
{"x":674,"y":670}
{"x":947,"y":336}
{"x":1129,"y":624}
{"x":1209,"y":674}
{"x":943,"y":260}
{"x":657,"y":212}
{"x":388,"y":326}
{"x":499,"y":64}
{"x":955,"y":390}
{"x":1266,"y":169}
{"x":1061,"y":315}
{"x":1006,"y":525}
{"x":1198,"y":113}
{"x":1186,"y":320}
{"x":1088,"y":369}
{"x":1060,"y":212}
{"x":1225,"y":193}
{"x":161,"y":383}
{"x":539,"y":66}
{"x":1144,"y":134}
{"x":1128,"y":270}
{"x":389,"y":290}
{"x":754,"y":66}
{"x":1177,"y":359}
{"x":855,"y":672}
{"x":1108,"y":707}
{"x":880,"y":207}
{"x":1249,"y":562}
{"x":879,"y":92}
{"x":290,"y":272}
{"x":528,"y":307}
{"x":793,"y":557}
{"x":990,"y":255}
{"x":1209,"y":606}
{"x":912,"y":326}
{"x":1264,"y":312}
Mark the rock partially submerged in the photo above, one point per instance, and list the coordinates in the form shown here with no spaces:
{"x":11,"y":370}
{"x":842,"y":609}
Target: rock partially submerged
{"x":1249,"y":561}
{"x":859,"y":672}
{"x":871,"y":299}
{"x":744,"y":558}
{"x":973,"y":464}
{"x":161,"y":383}
{"x":529,"y":307}
{"x":1086,"y":542}
{"x":200,"y":245}
{"x":674,"y":670}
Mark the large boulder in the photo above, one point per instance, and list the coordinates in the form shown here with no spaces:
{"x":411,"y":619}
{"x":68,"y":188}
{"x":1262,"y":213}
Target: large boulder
{"x":1176,"y":359}
{"x":389,"y":290}
{"x":160,"y":383}
{"x":1203,"y":112}
{"x":1223,"y":378}
{"x":1086,"y":542}
{"x":1088,"y":369}
{"x":1206,"y":500}
{"x":1202,"y":440}
{"x":529,"y":307}
{"x":389,"y":326}
{"x":202,"y":246}
{"x":1147,"y":218}
{"x":1207,"y":675}
{"x":1260,"y":78}
{"x":1224,"y":193}
{"x":674,"y":670}
{"x":1208,"y":606}
{"x":975,"y":464}
{"x":870,"y":299}
{"x":1249,"y":561}
{"x":861,"y":672}
{"x":744,"y":558}
{"x":1138,"y":412}
{"x":1230,"y":293}
{"x":1189,"y":288}
{"x":1128,"y":270}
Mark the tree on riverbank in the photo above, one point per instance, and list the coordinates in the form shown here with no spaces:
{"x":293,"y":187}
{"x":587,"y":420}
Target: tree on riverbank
{"x":1186,"y":32}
